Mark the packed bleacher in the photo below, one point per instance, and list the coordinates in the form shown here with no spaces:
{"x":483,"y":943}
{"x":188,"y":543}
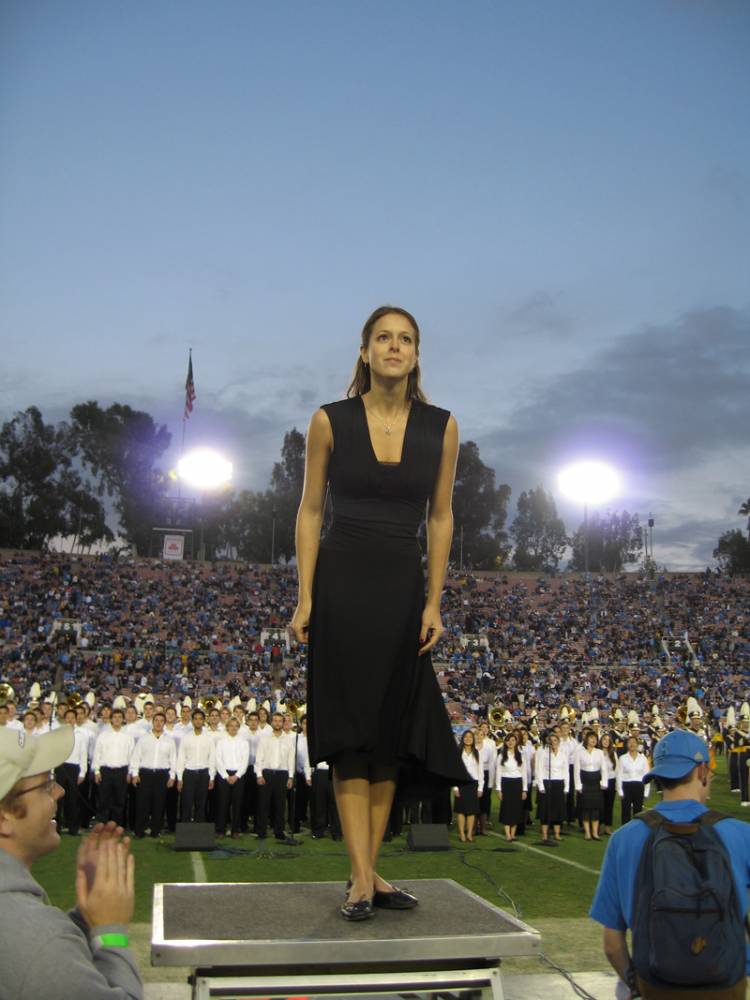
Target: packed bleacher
{"x":188,"y":628}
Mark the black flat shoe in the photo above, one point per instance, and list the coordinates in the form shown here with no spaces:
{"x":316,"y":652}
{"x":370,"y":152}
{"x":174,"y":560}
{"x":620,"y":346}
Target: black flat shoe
{"x":361,"y":910}
{"x":398,"y":899}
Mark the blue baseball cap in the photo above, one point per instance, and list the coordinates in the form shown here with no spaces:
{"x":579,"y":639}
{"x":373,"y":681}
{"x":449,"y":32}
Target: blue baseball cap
{"x":676,"y":755}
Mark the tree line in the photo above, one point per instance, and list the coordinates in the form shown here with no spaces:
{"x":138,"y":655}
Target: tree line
{"x":98,"y":475}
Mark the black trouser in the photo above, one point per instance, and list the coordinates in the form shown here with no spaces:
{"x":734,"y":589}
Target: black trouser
{"x":113,"y":795}
{"x":271,"y":801}
{"x":301,"y":797}
{"x":151,"y":796}
{"x":194,"y":795}
{"x":743,"y":758}
{"x":229,"y":802}
{"x":632,"y":800}
{"x":250,"y":800}
{"x":323,"y":811}
{"x":571,"y":813}
{"x":66,"y":775}
{"x":170,"y":807}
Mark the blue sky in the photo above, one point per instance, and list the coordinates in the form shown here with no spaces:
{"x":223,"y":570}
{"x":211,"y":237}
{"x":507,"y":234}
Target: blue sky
{"x":560,"y":192}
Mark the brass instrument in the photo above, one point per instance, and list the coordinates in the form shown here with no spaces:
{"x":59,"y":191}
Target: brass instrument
{"x":74,"y":699}
{"x":496,"y":716}
{"x":6,"y":694}
{"x":209,"y":702}
{"x":681,"y":715}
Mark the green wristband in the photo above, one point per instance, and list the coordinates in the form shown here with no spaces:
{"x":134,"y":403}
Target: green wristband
{"x":113,"y":940}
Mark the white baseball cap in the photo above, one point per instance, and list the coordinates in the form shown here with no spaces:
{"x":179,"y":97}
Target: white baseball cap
{"x":22,"y":755}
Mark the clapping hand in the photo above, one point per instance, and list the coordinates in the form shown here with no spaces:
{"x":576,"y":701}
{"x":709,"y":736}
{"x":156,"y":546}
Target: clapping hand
{"x":105,"y":877}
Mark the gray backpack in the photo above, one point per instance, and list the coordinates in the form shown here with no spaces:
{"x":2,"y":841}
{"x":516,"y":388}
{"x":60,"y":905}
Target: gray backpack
{"x":687,"y":925}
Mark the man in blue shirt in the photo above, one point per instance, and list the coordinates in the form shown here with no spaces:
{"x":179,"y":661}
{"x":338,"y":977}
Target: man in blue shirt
{"x":682,"y":771}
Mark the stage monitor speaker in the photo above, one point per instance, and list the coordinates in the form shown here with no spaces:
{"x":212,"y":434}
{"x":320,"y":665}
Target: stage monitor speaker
{"x":428,"y":837}
{"x":194,"y":837}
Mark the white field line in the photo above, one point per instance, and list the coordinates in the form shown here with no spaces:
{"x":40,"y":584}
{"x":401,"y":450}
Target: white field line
{"x":548,"y":853}
{"x":199,"y":869}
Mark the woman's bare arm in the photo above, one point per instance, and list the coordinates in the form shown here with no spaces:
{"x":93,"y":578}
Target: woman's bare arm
{"x":439,"y":537}
{"x":310,"y":516}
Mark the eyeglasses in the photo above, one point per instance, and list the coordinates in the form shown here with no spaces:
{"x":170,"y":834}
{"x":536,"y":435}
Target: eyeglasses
{"x":48,"y":785}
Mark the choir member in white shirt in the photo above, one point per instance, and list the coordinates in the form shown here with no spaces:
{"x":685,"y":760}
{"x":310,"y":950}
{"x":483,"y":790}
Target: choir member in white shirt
{"x":232,"y":756}
{"x":30,"y":722}
{"x":569,"y":745}
{"x":552,"y":777}
{"x":487,"y":758}
{"x":609,"y":766}
{"x":511,"y":784}
{"x":196,"y":770}
{"x":69,"y":775}
{"x":8,"y":716}
{"x":303,"y":778}
{"x":631,"y":767}
{"x":590,"y":784}
{"x":252,"y":734}
{"x":184,"y":726}
{"x":112,"y":752}
{"x":274,"y":767}
{"x":528,"y":751}
{"x":466,"y":796}
{"x":153,"y":769}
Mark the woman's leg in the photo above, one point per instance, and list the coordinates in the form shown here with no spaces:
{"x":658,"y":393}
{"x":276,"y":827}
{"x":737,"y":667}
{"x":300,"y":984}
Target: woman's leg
{"x":545,"y":831}
{"x":513,"y":833}
{"x":381,"y":800}
{"x":353,"y":802}
{"x":595,"y":827}
{"x":470,"y":827}
{"x":556,"y":828}
{"x":586,"y":826}
{"x":508,"y":834}
{"x":461,"y":823}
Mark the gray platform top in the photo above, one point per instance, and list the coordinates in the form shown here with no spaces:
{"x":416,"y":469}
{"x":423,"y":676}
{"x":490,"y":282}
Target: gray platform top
{"x":286,"y":924}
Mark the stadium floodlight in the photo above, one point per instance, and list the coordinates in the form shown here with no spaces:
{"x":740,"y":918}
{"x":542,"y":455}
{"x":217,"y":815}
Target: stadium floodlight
{"x":205,"y":469}
{"x":589,"y":482}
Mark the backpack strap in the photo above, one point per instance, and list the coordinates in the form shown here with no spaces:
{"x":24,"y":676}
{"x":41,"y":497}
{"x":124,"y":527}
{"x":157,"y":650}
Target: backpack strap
{"x":712,"y":817}
{"x":651,"y":817}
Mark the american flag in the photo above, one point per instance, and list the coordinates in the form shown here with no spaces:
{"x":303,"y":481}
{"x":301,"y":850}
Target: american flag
{"x":189,"y":390}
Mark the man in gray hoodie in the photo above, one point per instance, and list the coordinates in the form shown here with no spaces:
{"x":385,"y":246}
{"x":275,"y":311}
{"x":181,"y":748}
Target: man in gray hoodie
{"x":43,"y":951}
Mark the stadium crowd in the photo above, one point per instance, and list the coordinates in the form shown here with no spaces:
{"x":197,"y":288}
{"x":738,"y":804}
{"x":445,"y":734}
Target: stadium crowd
{"x":522,"y":642}
{"x":170,"y":672}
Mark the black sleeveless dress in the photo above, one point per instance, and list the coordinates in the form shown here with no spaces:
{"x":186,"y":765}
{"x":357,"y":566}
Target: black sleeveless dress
{"x":368,"y":689}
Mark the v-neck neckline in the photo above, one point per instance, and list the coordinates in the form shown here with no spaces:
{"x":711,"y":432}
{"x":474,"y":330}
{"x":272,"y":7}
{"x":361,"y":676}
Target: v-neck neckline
{"x":386,"y":465}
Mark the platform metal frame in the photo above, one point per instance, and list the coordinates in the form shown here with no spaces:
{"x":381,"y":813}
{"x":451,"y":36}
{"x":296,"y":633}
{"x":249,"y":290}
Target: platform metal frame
{"x":351,"y":962}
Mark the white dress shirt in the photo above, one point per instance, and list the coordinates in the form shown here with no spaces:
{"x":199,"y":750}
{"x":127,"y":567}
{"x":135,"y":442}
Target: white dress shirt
{"x":79,"y":755}
{"x":589,"y":760}
{"x":511,"y":769}
{"x":488,"y":758}
{"x":113,"y":749}
{"x":632,"y":769}
{"x":154,"y":753}
{"x":303,"y":758}
{"x":551,"y":765}
{"x":232,"y":754}
{"x":197,"y":752}
{"x":275,"y":753}
{"x":475,"y":769}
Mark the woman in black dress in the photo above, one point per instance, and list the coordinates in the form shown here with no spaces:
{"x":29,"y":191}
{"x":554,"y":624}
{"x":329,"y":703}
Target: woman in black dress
{"x":374,"y":705}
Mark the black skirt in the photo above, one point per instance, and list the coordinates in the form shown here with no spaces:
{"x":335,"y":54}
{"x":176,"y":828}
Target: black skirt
{"x":511,"y":804}
{"x":467,"y":800}
{"x":591,"y":797}
{"x":550,"y":808}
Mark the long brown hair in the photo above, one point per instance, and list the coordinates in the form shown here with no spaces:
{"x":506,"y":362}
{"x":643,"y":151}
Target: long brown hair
{"x":361,"y":376}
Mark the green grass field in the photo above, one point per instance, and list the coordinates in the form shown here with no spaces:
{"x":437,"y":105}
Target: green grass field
{"x":551,"y":888}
